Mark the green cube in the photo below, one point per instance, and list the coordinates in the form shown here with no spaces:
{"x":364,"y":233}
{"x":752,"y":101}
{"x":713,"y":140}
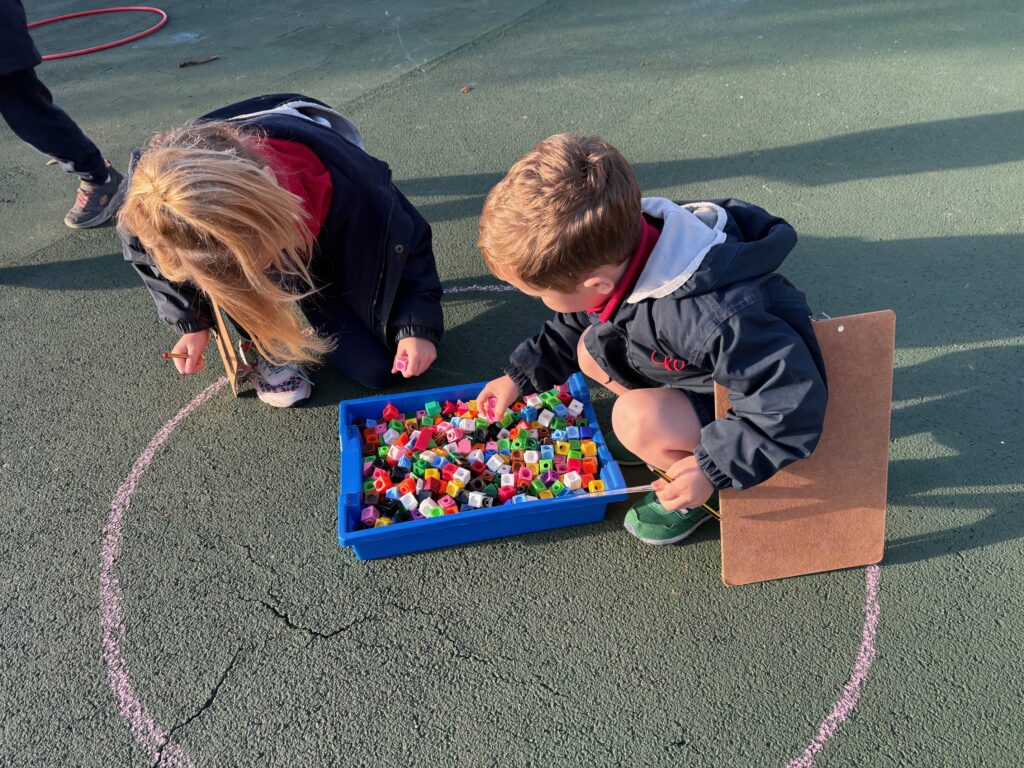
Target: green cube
{"x":557,"y":487}
{"x":433,"y":408}
{"x":538,"y":487}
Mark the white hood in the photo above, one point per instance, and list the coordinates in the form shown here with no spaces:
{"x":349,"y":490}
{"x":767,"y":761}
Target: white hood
{"x":689,"y":232}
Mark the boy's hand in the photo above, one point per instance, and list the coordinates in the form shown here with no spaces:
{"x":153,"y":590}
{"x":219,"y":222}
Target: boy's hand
{"x":419,"y":355}
{"x":191,"y":344}
{"x":690,"y":488}
{"x":501,"y":393}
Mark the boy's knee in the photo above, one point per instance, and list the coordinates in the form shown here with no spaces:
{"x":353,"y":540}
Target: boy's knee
{"x":631,"y":417}
{"x":586,"y":361}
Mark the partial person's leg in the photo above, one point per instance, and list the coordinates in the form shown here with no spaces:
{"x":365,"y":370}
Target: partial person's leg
{"x":28,"y":108}
{"x":662,"y":427}
{"x":360,"y":354}
{"x":658,"y":425}
{"x":593,"y":370}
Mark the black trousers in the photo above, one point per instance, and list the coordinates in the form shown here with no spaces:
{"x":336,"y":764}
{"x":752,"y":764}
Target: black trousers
{"x":359,"y":355}
{"x":28,"y":108}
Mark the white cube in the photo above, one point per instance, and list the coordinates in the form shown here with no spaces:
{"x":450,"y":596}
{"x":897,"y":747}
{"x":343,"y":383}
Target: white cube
{"x":409,"y":501}
{"x":389,"y":437}
{"x":534,"y":401}
{"x":531,"y":457}
{"x":476,"y":499}
{"x":508,"y":479}
{"x":545,"y":418}
{"x":572,"y":481}
{"x":575,"y":407}
{"x":495,"y":462}
{"x":462,"y":475}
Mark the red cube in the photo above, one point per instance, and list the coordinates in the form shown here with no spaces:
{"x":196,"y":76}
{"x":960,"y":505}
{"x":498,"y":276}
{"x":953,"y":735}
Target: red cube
{"x":390,"y":412}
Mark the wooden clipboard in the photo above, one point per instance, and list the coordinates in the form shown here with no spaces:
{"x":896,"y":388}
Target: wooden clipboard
{"x":825,"y":512}
{"x":226,"y":349}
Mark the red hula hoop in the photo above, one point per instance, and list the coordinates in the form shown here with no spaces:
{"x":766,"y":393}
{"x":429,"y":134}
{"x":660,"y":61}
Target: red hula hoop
{"x":83,"y":51}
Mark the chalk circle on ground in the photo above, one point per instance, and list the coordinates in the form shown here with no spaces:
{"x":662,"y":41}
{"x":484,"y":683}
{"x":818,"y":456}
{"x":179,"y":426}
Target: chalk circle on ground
{"x":104,"y":46}
{"x":158,"y":741}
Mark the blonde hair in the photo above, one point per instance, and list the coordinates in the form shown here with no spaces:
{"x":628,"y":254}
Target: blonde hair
{"x":568,"y":206}
{"x":202,"y":203}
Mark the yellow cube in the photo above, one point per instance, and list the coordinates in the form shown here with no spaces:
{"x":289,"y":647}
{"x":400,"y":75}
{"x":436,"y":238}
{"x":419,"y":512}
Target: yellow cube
{"x":562,"y":448}
{"x":432,"y":473}
{"x":382,"y":521}
{"x":596,"y":486}
{"x":545,"y":495}
{"x":589,"y":448}
{"x":453,"y":488}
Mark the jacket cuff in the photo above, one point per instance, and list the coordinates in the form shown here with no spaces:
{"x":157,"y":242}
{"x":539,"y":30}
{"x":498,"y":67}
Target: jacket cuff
{"x":520,"y":379}
{"x":418,"y":332}
{"x":717,"y":477}
{"x":192,"y":326}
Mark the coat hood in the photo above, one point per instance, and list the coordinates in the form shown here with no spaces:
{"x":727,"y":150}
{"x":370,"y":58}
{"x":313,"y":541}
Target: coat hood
{"x":706,"y":246}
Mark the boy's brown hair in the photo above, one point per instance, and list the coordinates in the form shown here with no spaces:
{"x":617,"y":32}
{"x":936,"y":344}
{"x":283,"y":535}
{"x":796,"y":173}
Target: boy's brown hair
{"x":568,"y":206}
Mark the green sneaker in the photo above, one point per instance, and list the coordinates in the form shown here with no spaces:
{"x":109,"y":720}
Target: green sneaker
{"x":653,"y":524}
{"x":622,"y":455}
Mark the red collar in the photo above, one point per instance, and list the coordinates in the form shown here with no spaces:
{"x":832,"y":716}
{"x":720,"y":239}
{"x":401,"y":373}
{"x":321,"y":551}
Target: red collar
{"x":299,"y":171}
{"x":648,"y":239}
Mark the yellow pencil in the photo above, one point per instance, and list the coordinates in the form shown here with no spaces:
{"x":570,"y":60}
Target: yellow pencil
{"x":668,"y":479}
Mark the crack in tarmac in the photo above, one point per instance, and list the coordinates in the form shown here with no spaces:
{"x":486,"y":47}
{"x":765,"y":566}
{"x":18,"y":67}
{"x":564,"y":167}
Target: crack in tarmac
{"x":205,"y":706}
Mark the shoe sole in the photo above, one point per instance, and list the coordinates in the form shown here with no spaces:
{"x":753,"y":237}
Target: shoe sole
{"x":665,"y":542}
{"x":282,"y":402}
{"x":106,"y":214}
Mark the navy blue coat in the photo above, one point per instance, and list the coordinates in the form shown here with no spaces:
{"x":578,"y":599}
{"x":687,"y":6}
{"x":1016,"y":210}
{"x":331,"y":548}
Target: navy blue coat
{"x":373,"y":253}
{"x":708,"y":307}
{"x":17,"y":51}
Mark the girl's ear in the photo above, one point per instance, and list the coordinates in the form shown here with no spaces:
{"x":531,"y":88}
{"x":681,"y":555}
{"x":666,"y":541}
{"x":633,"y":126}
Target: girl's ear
{"x":600,"y":283}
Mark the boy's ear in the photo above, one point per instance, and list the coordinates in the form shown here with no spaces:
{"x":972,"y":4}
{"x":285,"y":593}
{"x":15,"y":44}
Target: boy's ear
{"x":601,"y":284}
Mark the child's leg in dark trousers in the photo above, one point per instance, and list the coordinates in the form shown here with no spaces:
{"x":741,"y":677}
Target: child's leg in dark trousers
{"x":359,"y":354}
{"x":28,"y":108}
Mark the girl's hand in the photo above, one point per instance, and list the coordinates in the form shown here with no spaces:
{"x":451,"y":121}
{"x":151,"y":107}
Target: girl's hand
{"x":191,"y":344}
{"x":689,"y":489}
{"x":419,"y":355}
{"x":496,"y":397}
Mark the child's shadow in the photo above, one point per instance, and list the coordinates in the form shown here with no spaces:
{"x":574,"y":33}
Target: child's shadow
{"x":973,"y":430}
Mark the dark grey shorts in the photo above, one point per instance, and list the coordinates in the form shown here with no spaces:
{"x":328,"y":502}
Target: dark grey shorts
{"x":703,"y":406}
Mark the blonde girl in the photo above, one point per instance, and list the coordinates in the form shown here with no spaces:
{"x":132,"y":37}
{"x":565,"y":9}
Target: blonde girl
{"x":272,"y":208}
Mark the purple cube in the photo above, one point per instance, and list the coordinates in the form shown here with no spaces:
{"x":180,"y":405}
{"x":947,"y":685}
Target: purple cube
{"x":369,"y":516}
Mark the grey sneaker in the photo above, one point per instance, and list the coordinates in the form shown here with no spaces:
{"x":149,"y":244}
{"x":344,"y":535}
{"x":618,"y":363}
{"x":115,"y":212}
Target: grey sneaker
{"x":96,"y":203}
{"x":281,"y":386}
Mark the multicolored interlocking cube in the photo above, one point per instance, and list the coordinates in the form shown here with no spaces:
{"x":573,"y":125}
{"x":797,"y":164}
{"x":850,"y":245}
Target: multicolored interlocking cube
{"x":451,"y":457}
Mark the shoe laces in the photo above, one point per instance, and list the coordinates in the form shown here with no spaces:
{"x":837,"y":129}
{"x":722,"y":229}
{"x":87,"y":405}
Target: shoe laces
{"x":82,"y":198}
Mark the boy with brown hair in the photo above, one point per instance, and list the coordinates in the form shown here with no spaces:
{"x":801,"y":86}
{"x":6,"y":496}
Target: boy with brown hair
{"x":657,"y":301}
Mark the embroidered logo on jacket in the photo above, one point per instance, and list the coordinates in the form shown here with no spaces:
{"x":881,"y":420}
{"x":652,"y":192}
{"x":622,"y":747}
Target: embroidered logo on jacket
{"x":670,"y":364}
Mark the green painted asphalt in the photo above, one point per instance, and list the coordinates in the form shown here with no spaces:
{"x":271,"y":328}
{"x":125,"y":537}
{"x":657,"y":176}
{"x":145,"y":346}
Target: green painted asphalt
{"x":888,"y":133}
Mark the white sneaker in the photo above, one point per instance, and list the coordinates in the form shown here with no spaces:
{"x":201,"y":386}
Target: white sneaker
{"x":281,"y":386}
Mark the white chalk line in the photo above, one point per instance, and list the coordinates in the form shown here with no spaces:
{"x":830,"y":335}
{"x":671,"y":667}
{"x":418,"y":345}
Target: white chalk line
{"x":156,"y":739}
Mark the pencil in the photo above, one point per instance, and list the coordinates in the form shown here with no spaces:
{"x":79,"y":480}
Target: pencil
{"x":178,"y":355}
{"x":668,"y":479}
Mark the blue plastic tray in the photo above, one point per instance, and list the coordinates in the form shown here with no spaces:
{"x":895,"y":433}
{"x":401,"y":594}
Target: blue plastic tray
{"x":434,"y":532}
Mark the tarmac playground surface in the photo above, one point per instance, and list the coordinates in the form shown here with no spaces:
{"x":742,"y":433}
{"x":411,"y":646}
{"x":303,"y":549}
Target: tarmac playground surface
{"x":190,"y":605}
